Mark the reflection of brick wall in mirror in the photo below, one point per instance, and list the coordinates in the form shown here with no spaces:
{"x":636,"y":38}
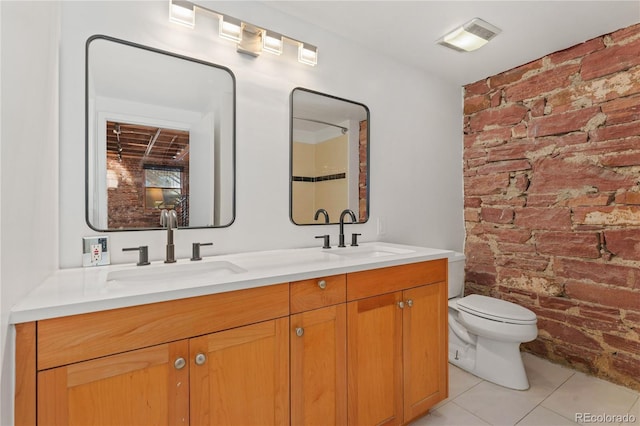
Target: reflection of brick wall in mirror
{"x":362,"y":175}
{"x":132,"y":149}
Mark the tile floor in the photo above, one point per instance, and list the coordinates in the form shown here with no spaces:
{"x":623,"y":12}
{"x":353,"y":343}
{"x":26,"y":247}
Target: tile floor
{"x":556,"y":396}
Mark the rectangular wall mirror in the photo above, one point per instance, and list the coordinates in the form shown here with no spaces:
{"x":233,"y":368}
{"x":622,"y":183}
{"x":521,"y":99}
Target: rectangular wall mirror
{"x":329,"y":168}
{"x":160,"y":134}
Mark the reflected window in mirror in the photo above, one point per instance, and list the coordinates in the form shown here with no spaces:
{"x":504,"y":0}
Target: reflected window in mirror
{"x":329,"y":169}
{"x":160,"y":134}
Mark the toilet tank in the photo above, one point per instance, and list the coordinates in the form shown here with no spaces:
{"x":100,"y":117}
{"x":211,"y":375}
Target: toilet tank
{"x":456,"y":275}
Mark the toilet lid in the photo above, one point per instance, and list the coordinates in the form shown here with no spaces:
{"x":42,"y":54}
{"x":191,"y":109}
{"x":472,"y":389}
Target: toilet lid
{"x":496,"y":309}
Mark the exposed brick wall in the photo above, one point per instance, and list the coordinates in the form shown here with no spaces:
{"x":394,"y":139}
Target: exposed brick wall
{"x":552,"y":200}
{"x":126,"y":202}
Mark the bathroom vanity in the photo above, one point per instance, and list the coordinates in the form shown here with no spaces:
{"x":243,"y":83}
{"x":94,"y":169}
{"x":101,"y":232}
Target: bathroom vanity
{"x":308,"y":336}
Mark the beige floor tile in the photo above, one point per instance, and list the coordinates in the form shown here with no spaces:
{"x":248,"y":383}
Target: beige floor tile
{"x":449,"y":415}
{"x":498,"y":405}
{"x":541,"y":416}
{"x":459,"y":382}
{"x":583,"y":394}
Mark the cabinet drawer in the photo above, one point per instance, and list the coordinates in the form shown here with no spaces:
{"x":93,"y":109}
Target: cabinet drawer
{"x":76,"y":338}
{"x":394,"y":278}
{"x":317,"y":293}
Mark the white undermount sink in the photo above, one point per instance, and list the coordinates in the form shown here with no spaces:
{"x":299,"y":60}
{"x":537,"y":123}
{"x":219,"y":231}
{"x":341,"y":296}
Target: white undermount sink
{"x":173,"y":272}
{"x":363,"y":252}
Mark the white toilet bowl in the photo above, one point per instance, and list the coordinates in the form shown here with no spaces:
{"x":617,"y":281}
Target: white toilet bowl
{"x":485,"y":333}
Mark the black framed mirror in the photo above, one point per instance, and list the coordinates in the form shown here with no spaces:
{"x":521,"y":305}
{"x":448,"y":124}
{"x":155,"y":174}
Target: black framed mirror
{"x":329,"y":158}
{"x":160,"y":134}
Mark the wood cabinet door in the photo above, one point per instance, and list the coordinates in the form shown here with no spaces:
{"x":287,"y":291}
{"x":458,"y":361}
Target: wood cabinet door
{"x":241,"y":376}
{"x":424,"y":348}
{"x":319,"y":367}
{"x":374,"y":348}
{"x":133,"y":388}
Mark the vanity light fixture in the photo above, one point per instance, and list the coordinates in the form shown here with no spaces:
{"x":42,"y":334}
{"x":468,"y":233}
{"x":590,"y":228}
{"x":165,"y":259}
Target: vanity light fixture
{"x":307,"y":54}
{"x":250,"y":39}
{"x":230,"y":28}
{"x":272,"y":42}
{"x":182,"y":13}
{"x":470,"y":36}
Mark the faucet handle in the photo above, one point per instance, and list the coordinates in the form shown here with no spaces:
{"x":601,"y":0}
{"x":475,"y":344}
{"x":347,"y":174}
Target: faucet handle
{"x":195,"y":250}
{"x":354,"y":240}
{"x":143,"y":257}
{"x":327,"y":244}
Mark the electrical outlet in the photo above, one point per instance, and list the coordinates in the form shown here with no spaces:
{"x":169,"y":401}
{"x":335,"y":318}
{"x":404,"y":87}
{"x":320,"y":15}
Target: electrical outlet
{"x":381,"y":226}
{"x":95,"y":251}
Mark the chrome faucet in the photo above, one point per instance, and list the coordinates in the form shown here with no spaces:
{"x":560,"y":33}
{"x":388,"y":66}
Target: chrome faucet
{"x":353,"y":220}
{"x":169,"y":220}
{"x":324,"y":212}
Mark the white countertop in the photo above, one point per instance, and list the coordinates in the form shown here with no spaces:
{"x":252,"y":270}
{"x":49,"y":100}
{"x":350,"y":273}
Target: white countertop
{"x":82,"y":290}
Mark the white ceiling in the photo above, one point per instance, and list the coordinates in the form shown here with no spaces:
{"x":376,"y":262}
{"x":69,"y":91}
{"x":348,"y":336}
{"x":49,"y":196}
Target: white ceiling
{"x":407,"y":30}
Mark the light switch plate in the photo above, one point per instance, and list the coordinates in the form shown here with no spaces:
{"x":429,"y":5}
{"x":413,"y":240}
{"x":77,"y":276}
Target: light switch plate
{"x":95,"y":251}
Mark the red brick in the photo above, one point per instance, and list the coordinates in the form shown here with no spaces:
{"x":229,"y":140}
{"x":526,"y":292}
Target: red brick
{"x":617,"y":297}
{"x":613,"y":59}
{"x":566,"y":333}
{"x":597,"y":199}
{"x":486,"y":184}
{"x":621,"y":343}
{"x":495,"y":215}
{"x":478,"y":88}
{"x":625,"y":33}
{"x":628,"y":198}
{"x":543,"y":218}
{"x":504,"y":116}
{"x":492,"y":137}
{"x":598,"y":272}
{"x":629,"y":367}
{"x":615,"y":132}
{"x":621,"y":160}
{"x":512,"y":248}
{"x":621,"y":110}
{"x":514,"y":74}
{"x":478,"y":253}
{"x":476,"y":103}
{"x":607,"y":215}
{"x":624,"y":243}
{"x":570,"y":244}
{"x":524,"y":262}
{"x":471,"y":215}
{"x":541,"y":200}
{"x":541,"y":83}
{"x":520,"y":149}
{"x":557,"y":124}
{"x":577,"y":51}
{"x":508,"y":235}
{"x":558,"y":174}
{"x":504,"y":166}
{"x":557,"y":303}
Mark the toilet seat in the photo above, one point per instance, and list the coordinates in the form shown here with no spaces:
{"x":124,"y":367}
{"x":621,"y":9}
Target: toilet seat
{"x":496,"y":309}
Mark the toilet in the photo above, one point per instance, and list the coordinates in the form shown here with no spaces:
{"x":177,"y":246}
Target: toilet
{"x":485,"y":333}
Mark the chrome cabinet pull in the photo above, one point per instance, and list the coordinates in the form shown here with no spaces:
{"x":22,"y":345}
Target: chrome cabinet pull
{"x":322,"y":284}
{"x":409,"y":302}
{"x":201,"y":359}
{"x":299,"y":331}
{"x":179,"y":363}
{"x":401,"y":304}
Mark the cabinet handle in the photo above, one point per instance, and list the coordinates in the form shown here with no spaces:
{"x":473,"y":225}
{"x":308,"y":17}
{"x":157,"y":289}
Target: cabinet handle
{"x":401,"y":304}
{"x":299,"y":331}
{"x":179,"y":363}
{"x":322,"y":284}
{"x":201,"y":359}
{"x":409,"y":302}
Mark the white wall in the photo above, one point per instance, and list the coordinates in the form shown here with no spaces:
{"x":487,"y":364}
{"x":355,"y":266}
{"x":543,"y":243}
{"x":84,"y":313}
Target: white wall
{"x":416,"y":142}
{"x":29,"y":162}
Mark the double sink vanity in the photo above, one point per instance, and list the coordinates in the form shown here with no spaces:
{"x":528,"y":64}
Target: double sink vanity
{"x":333,"y":336}
{"x":353,"y":335}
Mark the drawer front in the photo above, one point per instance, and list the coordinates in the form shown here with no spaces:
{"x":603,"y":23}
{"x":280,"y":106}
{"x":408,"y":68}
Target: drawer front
{"x":76,"y":338}
{"x":394,"y":278}
{"x":318,"y":292}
